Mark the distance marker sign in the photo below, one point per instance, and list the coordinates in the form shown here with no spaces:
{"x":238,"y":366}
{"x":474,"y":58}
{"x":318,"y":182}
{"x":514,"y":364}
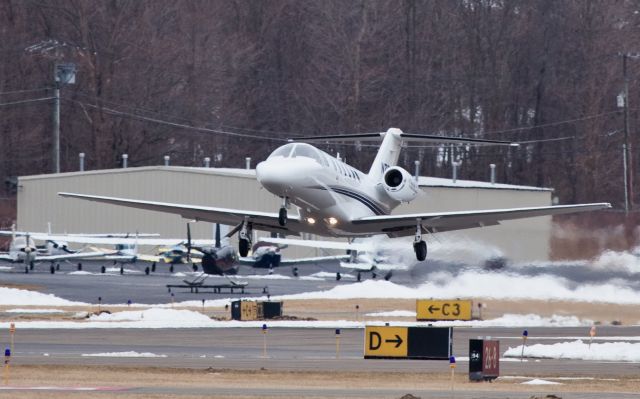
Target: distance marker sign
{"x":428,"y":309}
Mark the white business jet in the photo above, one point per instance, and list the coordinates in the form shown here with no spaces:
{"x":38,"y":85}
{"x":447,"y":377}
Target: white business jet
{"x":337,"y":200}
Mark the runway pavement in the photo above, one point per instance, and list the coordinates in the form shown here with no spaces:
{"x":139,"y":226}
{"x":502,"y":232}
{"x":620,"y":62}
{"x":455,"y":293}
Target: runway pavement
{"x":290,"y":349}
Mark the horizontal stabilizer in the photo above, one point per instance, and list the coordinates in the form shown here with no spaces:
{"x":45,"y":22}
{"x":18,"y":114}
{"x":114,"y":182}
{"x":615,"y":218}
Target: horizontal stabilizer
{"x":404,"y":137}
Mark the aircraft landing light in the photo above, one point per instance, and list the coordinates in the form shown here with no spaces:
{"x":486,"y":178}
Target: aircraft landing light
{"x":333,"y":221}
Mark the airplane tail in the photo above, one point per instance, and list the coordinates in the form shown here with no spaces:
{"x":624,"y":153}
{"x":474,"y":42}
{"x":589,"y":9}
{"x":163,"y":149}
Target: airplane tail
{"x":389,"y":151}
{"x":387,"y":155}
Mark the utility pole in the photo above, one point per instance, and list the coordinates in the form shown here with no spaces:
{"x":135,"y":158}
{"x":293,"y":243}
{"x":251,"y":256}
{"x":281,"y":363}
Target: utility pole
{"x":62,"y":74}
{"x":56,"y":127}
{"x":627,"y":146}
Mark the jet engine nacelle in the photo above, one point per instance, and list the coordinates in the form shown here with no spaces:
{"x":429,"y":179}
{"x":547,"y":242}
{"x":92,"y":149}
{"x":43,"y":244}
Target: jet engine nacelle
{"x":399,"y":184}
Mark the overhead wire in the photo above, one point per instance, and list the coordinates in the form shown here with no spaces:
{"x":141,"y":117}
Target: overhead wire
{"x":173,"y":124}
{"x":25,"y":91}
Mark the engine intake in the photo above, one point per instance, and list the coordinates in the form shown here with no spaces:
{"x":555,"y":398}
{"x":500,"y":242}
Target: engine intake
{"x":399,"y":184}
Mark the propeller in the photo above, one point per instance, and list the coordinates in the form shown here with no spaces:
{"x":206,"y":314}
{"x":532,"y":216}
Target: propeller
{"x":218,"y":244}
{"x":188,"y":242}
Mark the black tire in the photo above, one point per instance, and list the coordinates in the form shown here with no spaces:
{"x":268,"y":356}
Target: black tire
{"x":103,"y":269}
{"x":243,"y":247}
{"x":338,"y":276}
{"x":146,"y":270}
{"x":171,"y":268}
{"x":153,"y":267}
{"x":31,"y":265}
{"x":420,"y":248}
{"x":121,"y":270}
{"x":79,"y":266}
{"x":194,"y":267}
{"x":359,"y":276}
{"x":57,"y":266}
{"x":52,"y":269}
{"x":295,"y":272}
{"x":282,"y":217}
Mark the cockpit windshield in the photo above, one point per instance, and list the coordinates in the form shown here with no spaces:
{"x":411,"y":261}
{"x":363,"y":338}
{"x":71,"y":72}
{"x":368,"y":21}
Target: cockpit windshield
{"x":284,"y":151}
{"x":299,"y":150}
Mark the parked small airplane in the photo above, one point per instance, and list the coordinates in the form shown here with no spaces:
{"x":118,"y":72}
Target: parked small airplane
{"x":22,"y":249}
{"x":337,"y":200}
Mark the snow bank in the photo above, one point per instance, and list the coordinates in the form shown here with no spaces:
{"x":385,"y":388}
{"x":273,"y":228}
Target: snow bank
{"x":174,"y":318}
{"x":37,"y":311}
{"x":122,"y":354}
{"x":480,"y":284}
{"x":393,"y":313}
{"x":580,"y":350}
{"x":537,"y":381}
{"x":14,"y":296}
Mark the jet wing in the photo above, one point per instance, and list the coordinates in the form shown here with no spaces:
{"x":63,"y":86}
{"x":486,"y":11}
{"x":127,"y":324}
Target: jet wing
{"x":6,"y":257}
{"x":104,"y":240}
{"x":261,"y":220}
{"x":405,"y":225}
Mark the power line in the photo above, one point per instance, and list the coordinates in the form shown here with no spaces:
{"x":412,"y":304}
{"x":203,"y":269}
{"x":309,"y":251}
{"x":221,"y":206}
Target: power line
{"x":174,"y":124}
{"x":146,"y":110}
{"x":25,"y":91}
{"x":27,"y":101}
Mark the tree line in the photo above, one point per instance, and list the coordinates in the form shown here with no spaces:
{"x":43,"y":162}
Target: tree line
{"x":229,"y":79}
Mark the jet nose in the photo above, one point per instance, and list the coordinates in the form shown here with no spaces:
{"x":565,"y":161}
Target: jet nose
{"x":280,"y":176}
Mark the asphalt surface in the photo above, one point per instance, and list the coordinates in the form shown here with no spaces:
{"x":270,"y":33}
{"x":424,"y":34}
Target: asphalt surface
{"x":140,"y":288}
{"x":290,"y":349}
{"x":287,"y":348}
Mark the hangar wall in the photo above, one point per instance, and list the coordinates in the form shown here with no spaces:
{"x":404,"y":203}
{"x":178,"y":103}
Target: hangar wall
{"x":38,"y":204}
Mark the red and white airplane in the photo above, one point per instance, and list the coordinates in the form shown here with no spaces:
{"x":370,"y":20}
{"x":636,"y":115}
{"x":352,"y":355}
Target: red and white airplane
{"x":337,"y":200}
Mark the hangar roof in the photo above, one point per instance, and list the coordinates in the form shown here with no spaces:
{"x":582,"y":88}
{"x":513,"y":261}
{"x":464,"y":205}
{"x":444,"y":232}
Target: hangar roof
{"x":250,"y":173}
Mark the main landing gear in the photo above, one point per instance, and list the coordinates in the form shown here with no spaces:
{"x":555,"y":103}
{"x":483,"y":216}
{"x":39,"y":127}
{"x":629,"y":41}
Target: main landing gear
{"x":282,"y":215}
{"x":244,"y":241}
{"x":419,"y":246}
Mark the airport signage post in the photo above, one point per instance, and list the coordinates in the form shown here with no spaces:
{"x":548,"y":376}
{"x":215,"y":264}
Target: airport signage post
{"x":428,"y":309}
{"x":7,"y":358}
{"x":484,"y":359}
{"x":386,"y":342}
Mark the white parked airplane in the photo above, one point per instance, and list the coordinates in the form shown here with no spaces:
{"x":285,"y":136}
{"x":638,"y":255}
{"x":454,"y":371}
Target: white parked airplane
{"x":337,"y":200}
{"x":22,"y":249}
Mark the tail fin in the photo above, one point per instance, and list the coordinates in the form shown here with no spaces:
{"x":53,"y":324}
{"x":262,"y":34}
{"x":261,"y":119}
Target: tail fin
{"x":388,"y":153}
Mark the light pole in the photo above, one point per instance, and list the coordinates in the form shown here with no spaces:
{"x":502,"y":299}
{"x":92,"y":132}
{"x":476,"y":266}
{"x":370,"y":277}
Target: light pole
{"x":62,"y":74}
{"x":623,"y":99}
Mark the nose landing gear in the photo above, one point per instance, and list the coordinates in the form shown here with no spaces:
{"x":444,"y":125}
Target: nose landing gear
{"x":282,"y":215}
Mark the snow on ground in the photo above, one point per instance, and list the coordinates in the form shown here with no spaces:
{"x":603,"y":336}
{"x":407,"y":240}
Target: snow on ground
{"x":122,"y":354}
{"x":37,"y":311}
{"x":393,"y":313}
{"x":580,"y":350}
{"x":117,"y":270}
{"x":6,"y":268}
{"x":182,"y":318}
{"x":14,"y":296}
{"x":481,"y":284}
{"x":332,"y":276}
{"x":537,"y":381}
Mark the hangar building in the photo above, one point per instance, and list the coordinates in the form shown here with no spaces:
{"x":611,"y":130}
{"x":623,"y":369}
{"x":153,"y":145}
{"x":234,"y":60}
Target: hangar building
{"x":39,"y":204}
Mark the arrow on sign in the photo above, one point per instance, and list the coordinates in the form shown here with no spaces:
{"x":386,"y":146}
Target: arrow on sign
{"x":433,"y":308}
{"x":398,"y":341}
